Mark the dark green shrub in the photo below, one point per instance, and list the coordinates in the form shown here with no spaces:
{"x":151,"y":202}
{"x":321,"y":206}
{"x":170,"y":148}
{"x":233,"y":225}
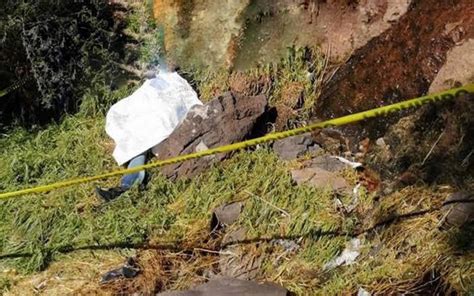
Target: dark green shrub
{"x":59,"y":47}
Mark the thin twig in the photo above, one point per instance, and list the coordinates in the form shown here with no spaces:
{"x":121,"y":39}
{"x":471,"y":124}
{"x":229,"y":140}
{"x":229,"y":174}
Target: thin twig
{"x":268,"y":203}
{"x":432,"y":148}
{"x":465,"y":161}
{"x":215,"y":252}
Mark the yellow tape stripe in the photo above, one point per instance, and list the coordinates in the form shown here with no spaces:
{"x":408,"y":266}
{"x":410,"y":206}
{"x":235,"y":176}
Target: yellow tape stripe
{"x":381,"y":111}
{"x":17,"y":84}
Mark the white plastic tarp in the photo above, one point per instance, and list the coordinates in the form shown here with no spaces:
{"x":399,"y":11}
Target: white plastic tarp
{"x":149,"y":115}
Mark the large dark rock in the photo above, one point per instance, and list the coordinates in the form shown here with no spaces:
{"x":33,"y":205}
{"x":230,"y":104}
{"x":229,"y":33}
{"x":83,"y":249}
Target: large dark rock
{"x":458,"y":210}
{"x":225,"y":120}
{"x":294,"y":147}
{"x":232,"y":287}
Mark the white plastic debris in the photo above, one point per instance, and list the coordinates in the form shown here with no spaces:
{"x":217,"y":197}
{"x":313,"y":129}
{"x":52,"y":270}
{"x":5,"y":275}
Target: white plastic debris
{"x":355,"y":201}
{"x":363,"y":292}
{"x":288,"y":245}
{"x":355,"y":198}
{"x":354,"y":165}
{"x":149,"y":115}
{"x":381,"y":142}
{"x":348,"y":256}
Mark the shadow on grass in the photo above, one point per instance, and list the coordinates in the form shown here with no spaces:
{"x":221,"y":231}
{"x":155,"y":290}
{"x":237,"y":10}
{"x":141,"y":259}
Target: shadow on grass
{"x":462,"y":240}
{"x":317,"y":233}
{"x":119,"y":245}
{"x":175,"y":246}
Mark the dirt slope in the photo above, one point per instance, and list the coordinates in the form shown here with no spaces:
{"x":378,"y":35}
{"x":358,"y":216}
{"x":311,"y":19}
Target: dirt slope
{"x":402,"y":62}
{"x":242,"y":33}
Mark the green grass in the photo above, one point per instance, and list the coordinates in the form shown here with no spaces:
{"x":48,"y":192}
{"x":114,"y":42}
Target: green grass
{"x":41,"y":224}
{"x":43,"y":227}
{"x":298,"y":75}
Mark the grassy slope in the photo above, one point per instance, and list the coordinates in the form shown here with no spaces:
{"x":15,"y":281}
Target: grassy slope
{"x":42,"y":224}
{"x":43,"y":227}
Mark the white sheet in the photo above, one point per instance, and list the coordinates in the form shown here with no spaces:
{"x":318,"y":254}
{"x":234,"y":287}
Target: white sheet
{"x":149,"y":115}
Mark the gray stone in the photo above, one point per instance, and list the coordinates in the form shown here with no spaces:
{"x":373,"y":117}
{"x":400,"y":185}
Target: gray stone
{"x":231,"y":287}
{"x":327,"y":163}
{"x":226,"y":214}
{"x":320,"y":178}
{"x":458,"y":210}
{"x":237,"y":262}
{"x":294,"y":147}
{"x":225,"y":120}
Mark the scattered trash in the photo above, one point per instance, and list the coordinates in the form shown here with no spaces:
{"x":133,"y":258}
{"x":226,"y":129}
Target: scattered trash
{"x":294,"y":147}
{"x":355,"y":198}
{"x":339,"y":205}
{"x":290,"y":246}
{"x":129,"y":270}
{"x":348,"y":256}
{"x":328,"y":163}
{"x":354,"y":165}
{"x":231,"y":287}
{"x":363,"y":292}
{"x":458,"y":210}
{"x":355,"y":201}
{"x":149,"y":115}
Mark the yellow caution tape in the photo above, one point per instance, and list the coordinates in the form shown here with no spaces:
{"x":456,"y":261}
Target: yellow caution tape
{"x":381,"y":111}
{"x":12,"y":87}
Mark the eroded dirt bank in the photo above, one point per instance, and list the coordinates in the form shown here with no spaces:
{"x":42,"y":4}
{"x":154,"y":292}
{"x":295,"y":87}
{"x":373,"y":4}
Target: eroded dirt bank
{"x":402,"y":62}
{"x":240,"y":34}
{"x":428,"y":50}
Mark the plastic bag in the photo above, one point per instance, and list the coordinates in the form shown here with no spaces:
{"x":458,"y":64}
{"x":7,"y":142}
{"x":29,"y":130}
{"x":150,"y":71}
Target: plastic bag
{"x":149,"y":115}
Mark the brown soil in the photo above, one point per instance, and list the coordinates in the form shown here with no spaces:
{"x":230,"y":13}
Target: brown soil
{"x":338,"y":27}
{"x":401,"y":63}
{"x":459,"y":67}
